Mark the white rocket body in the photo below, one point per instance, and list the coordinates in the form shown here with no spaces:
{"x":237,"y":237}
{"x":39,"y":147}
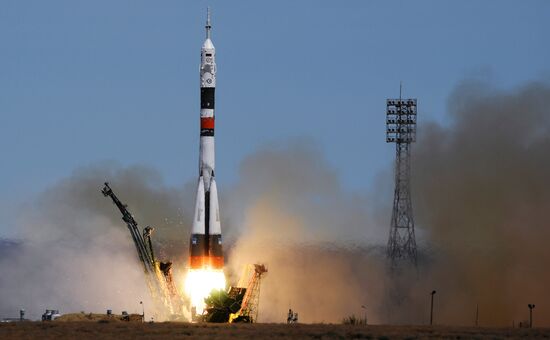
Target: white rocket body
{"x":206,"y":241}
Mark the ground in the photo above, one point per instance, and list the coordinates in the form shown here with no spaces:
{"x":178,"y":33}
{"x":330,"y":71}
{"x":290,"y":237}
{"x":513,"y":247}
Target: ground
{"x":132,"y":330}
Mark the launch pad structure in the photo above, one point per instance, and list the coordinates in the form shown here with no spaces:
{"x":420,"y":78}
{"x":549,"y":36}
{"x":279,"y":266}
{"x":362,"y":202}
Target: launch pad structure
{"x":401,"y":129}
{"x":251,"y":299}
{"x":166,"y":296}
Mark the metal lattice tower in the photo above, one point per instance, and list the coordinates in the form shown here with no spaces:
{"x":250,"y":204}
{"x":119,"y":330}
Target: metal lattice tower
{"x":251,"y":299}
{"x":401,"y":130}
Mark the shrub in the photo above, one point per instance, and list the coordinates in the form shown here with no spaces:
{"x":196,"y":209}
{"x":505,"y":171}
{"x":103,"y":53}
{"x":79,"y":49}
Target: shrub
{"x":353,"y":320}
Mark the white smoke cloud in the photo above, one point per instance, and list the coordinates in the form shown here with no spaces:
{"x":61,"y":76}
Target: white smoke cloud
{"x":480,"y":193}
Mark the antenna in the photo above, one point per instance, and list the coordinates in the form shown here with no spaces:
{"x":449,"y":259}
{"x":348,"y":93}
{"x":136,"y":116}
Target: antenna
{"x":208,"y":24}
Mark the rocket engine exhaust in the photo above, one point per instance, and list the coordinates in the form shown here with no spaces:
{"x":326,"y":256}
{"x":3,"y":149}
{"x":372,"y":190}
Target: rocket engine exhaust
{"x":206,"y":255}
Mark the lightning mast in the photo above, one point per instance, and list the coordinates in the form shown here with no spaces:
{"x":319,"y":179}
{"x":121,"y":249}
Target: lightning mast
{"x":401,"y":130}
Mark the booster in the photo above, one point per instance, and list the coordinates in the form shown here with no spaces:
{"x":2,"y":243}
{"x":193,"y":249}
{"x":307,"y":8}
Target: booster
{"x":206,"y":239}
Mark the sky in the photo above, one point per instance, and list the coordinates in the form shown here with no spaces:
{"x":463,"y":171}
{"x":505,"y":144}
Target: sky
{"x":83,"y":82}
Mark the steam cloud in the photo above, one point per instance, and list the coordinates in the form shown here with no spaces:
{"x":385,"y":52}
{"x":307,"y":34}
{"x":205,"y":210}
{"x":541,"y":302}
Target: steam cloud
{"x":480,"y":189}
{"x":75,"y":253}
{"x":312,"y":235}
{"x":481,"y":192}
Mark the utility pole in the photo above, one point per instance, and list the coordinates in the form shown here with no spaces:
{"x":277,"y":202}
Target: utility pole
{"x":365,"y":308}
{"x":401,"y":130}
{"x":477,"y":314}
{"x":432,"y":308}
{"x":531,"y":307}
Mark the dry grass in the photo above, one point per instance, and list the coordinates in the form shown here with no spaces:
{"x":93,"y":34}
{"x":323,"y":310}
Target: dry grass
{"x":75,"y":317}
{"x":134,"y":330}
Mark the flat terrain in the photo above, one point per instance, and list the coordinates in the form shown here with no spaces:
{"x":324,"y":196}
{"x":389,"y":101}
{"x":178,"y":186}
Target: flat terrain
{"x":132,"y":330}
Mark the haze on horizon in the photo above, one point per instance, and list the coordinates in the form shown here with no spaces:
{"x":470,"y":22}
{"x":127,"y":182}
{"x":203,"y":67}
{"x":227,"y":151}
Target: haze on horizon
{"x":111,"y":90}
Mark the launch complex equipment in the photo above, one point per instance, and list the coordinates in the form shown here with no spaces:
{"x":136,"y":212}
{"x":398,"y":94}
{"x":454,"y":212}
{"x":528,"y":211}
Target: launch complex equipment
{"x":251,"y":299}
{"x":238,"y":304}
{"x":401,"y":130}
{"x":168,"y":300}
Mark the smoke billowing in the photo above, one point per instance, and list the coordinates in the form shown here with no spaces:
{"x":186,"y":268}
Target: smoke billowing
{"x":315,"y":238}
{"x":75,"y":253}
{"x":480,"y":194}
{"x":481,"y":190}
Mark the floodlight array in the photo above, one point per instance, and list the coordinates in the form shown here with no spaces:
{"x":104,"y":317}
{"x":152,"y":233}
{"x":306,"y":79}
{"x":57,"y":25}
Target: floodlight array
{"x":401,"y":120}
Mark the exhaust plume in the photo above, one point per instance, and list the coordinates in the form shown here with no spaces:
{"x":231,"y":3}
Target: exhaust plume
{"x":480,"y":190}
{"x":74,"y":252}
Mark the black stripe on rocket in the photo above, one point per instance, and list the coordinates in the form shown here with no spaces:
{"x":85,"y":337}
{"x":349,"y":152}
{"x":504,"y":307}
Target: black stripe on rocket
{"x":207,"y":97}
{"x":207,"y":102}
{"x":201,"y":242}
{"x":207,"y":132}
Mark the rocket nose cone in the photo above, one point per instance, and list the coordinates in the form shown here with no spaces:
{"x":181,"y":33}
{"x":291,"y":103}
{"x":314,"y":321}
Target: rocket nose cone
{"x":208,"y":44}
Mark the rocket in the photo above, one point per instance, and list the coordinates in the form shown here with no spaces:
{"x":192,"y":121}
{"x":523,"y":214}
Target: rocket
{"x":206,"y":234}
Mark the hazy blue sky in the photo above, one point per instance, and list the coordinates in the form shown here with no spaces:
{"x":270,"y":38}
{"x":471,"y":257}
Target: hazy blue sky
{"x":86,"y":81}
